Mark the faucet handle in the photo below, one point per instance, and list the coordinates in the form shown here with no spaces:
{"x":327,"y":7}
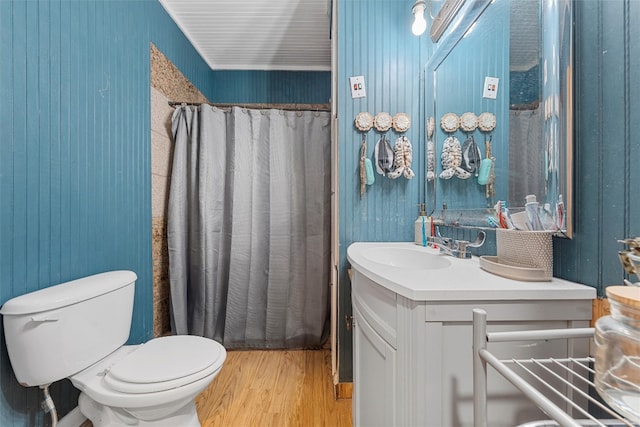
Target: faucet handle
{"x":479,"y":240}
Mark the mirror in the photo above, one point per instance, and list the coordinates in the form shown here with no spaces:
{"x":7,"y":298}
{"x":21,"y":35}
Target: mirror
{"x":527,"y":46}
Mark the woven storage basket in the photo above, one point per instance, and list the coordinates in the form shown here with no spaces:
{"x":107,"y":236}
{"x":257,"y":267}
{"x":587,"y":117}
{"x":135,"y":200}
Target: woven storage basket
{"x":532,"y":249}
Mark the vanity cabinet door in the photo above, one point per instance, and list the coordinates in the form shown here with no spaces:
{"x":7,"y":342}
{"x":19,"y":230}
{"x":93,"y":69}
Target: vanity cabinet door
{"x":374,"y":376}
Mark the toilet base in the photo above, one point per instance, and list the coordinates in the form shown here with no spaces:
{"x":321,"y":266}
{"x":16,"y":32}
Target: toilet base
{"x":106,"y":416}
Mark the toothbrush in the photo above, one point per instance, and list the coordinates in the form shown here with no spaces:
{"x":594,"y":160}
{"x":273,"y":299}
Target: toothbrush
{"x":507,"y":219}
{"x":560,"y":213}
{"x":492,"y":222}
{"x":500,"y":206}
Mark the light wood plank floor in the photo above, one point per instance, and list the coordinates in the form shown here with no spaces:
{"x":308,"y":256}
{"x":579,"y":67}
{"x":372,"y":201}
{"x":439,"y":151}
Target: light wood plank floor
{"x":272,"y":389}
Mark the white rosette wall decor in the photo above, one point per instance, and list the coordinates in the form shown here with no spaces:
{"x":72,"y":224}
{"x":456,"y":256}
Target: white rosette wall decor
{"x":486,"y":121}
{"x":364,"y":121}
{"x":382,"y":122}
{"x":401,"y":122}
{"x":468,"y":122}
{"x":450,"y":122}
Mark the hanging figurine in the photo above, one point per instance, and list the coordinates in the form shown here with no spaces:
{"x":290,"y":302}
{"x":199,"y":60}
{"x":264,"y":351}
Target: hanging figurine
{"x":403,"y":153}
{"x":451,"y":157}
{"x":363,"y":170}
{"x":486,"y":174}
{"x":471,"y":156}
{"x":364,"y":122}
{"x":384,"y":156}
{"x":470,"y":151}
{"x":431,"y":151}
{"x":383,"y":152}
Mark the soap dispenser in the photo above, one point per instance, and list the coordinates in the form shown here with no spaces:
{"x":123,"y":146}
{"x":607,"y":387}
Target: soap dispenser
{"x":422,"y":228}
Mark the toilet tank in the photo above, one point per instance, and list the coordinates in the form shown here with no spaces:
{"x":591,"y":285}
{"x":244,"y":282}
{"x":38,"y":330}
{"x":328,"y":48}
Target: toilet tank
{"x":58,"y":331}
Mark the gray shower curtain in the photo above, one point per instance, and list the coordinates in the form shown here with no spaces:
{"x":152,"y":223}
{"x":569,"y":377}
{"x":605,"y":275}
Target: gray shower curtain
{"x":526,"y":142}
{"x":249,"y":226}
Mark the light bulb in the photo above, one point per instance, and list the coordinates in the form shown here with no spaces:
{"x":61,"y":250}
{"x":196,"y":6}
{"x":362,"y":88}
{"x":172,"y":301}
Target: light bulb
{"x":419,"y":23}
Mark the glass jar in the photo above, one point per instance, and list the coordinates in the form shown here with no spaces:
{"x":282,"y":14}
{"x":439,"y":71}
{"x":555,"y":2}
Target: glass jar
{"x":617,"y":357}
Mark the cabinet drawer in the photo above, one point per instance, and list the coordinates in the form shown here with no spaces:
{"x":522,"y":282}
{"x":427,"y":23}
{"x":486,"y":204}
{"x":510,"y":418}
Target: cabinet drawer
{"x":377,"y":306}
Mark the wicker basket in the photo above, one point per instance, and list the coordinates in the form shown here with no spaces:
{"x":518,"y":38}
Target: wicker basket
{"x":532,"y":249}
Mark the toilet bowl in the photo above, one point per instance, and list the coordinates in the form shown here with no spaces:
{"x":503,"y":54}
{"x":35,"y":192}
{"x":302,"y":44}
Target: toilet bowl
{"x":151,"y":384}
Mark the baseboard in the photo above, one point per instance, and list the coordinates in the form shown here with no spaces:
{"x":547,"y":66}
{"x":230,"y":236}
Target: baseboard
{"x":600,"y":308}
{"x":343,"y":390}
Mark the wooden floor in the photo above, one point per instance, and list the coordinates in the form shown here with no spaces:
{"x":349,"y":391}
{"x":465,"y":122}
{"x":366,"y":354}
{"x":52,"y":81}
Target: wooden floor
{"x":274,"y":388}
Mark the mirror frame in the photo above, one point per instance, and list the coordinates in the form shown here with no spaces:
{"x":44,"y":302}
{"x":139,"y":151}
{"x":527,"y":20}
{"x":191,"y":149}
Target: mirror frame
{"x":460,"y":24}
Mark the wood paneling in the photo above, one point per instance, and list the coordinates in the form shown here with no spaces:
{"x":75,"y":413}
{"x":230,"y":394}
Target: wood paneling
{"x":283,"y":87}
{"x":75,"y":155}
{"x":607,"y":107}
{"x":375,"y":41}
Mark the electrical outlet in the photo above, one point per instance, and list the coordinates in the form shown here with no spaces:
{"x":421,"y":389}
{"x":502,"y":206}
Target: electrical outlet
{"x":357,"y":87}
{"x":490,"y":87}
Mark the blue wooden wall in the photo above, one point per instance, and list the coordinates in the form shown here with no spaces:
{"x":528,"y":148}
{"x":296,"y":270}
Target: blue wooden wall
{"x":281,"y":87}
{"x":606,"y":146}
{"x":375,"y":41}
{"x":75,"y":173}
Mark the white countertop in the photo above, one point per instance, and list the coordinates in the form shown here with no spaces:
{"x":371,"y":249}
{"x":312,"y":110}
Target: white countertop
{"x":462,"y":279}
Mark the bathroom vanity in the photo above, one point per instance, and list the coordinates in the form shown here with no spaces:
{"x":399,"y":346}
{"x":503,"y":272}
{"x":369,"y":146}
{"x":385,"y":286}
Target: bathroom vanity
{"x":412,"y":311}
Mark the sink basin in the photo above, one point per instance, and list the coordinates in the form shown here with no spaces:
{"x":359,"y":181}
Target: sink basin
{"x":415,"y":259}
{"x":423,"y":274}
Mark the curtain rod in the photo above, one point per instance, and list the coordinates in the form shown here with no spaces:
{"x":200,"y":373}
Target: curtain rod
{"x":289,"y":107}
{"x":523,"y":107}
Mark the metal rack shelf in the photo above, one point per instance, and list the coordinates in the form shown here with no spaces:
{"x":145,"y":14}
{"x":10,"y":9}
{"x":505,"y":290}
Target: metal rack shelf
{"x":541,"y":380}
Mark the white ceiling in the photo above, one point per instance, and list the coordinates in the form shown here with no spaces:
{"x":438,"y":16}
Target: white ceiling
{"x":524,"y":45}
{"x":256,"y":34}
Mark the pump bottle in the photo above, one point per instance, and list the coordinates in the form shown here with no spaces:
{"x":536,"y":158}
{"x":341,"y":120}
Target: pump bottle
{"x":422,"y":227}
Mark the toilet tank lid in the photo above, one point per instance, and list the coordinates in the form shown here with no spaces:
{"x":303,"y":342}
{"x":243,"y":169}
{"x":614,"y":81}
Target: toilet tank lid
{"x":68,"y":293}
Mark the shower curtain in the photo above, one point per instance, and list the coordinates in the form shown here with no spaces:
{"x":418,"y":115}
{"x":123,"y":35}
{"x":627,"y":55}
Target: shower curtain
{"x":526,"y":142}
{"x":249,"y":226}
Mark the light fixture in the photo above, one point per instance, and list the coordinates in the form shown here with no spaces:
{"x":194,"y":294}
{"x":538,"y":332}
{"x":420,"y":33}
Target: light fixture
{"x":419,"y":23}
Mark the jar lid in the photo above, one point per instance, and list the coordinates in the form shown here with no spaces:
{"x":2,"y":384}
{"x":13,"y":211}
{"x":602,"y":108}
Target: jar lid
{"x":628,"y":296}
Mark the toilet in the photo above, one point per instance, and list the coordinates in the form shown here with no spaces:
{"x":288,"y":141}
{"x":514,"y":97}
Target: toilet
{"x":78,"y":329}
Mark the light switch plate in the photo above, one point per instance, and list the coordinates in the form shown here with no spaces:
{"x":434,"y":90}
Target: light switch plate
{"x":490,"y":87}
{"x":357,"y":87}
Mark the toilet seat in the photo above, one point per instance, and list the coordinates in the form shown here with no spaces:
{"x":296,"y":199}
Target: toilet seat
{"x":91,"y":380}
{"x":165,"y":363}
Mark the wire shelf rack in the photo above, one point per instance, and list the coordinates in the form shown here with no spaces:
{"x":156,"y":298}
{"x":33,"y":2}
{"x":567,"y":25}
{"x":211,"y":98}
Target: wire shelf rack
{"x":560,"y":387}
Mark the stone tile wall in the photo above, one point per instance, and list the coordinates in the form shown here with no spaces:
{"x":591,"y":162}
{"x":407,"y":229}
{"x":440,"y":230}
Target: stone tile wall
{"x":167,"y":84}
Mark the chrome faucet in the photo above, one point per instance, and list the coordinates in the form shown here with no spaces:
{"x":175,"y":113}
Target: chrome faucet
{"x":456,"y":248}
